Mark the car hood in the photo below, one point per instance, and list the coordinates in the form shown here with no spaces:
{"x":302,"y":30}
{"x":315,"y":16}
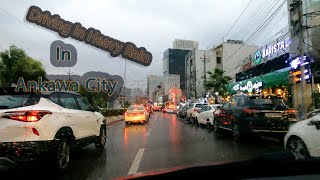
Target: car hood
{"x":170,"y":170}
{"x":262,"y":165}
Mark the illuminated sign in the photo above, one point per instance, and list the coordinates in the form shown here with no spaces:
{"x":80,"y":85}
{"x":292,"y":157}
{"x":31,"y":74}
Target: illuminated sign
{"x":248,"y":87}
{"x":295,"y":63}
{"x":257,"y":57}
{"x":269,"y":50}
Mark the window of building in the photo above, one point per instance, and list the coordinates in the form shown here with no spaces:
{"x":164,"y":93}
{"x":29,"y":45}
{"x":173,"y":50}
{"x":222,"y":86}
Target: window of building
{"x":218,"y":60}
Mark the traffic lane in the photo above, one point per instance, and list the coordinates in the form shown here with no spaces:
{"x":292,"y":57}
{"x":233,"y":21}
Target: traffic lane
{"x":86,"y":163}
{"x":123,"y":143}
{"x":175,"y":143}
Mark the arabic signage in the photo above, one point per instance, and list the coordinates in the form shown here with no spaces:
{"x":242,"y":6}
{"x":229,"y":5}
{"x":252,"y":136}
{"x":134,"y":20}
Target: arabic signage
{"x":249,"y":87}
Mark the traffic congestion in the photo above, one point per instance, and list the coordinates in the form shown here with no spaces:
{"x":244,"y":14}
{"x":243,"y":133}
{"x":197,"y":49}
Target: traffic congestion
{"x":184,"y":89}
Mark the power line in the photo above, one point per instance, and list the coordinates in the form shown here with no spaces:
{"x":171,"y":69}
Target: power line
{"x":260,"y":19}
{"x":252,"y":19}
{"x":236,"y":20}
{"x":258,"y":29}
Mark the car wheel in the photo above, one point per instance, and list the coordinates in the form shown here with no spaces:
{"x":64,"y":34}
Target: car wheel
{"x":298,"y":148}
{"x":102,"y":139}
{"x":62,"y":155}
{"x":235,"y":132}
{"x":215,"y":127}
{"x":209,"y":125}
{"x":127,"y":122}
{"x":196,"y":121}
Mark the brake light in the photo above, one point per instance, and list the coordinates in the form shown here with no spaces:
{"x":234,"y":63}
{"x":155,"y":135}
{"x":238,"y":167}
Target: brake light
{"x":126,"y":113}
{"x":250,"y":111}
{"x":221,"y":113}
{"x":291,"y":111}
{"x":27,"y":116}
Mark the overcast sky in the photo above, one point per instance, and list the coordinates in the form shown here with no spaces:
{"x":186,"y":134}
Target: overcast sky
{"x":147,"y":23}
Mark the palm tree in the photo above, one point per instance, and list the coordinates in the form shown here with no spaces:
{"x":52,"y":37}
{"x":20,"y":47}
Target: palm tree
{"x":217,"y":81}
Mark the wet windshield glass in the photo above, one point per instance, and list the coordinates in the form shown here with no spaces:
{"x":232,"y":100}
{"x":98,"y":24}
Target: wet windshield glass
{"x":134,"y":86}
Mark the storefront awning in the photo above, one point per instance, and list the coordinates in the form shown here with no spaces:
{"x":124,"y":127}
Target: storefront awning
{"x":260,"y":82}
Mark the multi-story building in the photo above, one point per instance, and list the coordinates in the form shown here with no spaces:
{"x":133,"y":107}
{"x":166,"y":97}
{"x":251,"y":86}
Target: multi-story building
{"x":174,"y":59}
{"x":310,"y":27}
{"x":198,"y":63}
{"x":135,"y":93}
{"x":185,"y":44}
{"x":225,"y":56}
{"x":304,"y":28}
{"x":170,"y":81}
{"x":158,"y":93}
{"x":152,"y":82}
{"x":229,"y":55}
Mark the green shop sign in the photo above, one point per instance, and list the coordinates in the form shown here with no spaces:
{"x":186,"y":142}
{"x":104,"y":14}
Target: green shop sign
{"x":249,"y":86}
{"x":264,"y":81}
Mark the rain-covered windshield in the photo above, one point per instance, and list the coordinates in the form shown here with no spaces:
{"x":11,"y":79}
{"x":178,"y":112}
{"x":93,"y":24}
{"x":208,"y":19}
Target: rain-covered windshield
{"x":102,"y":89}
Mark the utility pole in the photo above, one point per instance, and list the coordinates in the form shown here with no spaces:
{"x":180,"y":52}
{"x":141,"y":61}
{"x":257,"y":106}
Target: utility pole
{"x":124,"y":83}
{"x":301,"y":56}
{"x":204,"y":68}
{"x":69,"y":73}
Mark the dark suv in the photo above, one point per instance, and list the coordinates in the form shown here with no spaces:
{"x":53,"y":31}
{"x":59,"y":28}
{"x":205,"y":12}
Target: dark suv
{"x":244,"y":114}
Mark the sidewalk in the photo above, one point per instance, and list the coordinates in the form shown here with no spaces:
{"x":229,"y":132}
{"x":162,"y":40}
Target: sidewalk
{"x":114,"y":119}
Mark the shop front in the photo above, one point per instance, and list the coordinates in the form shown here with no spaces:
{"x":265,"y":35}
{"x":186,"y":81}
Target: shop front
{"x":275,"y":83}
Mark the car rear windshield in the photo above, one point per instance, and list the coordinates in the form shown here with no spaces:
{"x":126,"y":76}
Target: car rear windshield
{"x":267,"y":103}
{"x":140,"y":108}
{"x":9,"y":101}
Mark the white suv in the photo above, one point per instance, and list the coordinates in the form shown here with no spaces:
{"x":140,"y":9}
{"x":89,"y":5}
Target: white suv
{"x":35,"y":125}
{"x":193,"y":110}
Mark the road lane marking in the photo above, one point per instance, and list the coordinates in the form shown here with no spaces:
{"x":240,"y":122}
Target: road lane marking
{"x":136,"y":162}
{"x":149,"y":131}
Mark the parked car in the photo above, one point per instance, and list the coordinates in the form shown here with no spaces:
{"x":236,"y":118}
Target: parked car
{"x":47,"y":125}
{"x":192,"y":110}
{"x":182,"y":110}
{"x":302,"y":139}
{"x":244,"y":114}
{"x":206,"y":115}
{"x":136,"y":114}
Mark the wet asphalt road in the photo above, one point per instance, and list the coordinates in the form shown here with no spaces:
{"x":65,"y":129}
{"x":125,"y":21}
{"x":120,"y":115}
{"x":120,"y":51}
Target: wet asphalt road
{"x":165,"y":142}
{"x":168,"y":142}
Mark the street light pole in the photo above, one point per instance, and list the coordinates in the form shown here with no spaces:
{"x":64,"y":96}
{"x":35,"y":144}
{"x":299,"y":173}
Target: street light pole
{"x":124,"y":83}
{"x":301,"y":56}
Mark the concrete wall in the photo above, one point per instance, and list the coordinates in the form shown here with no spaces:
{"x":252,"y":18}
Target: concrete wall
{"x":195,"y":71}
{"x":232,"y":56}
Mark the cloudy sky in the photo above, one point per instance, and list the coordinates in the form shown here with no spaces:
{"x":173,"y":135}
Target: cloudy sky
{"x":153,"y":24}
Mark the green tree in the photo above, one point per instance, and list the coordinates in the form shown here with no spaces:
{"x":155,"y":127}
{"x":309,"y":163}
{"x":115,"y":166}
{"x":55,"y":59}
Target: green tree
{"x":15,"y":63}
{"x":217,"y":81}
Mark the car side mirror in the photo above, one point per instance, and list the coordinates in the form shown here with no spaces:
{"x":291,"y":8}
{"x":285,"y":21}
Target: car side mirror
{"x":315,"y":123}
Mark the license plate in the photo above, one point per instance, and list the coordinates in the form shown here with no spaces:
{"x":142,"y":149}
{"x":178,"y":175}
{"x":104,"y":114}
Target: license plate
{"x":134,"y":114}
{"x":273,"y":115}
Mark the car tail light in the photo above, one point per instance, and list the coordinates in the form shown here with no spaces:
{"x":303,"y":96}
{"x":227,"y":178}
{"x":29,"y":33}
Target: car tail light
{"x":26,"y":116}
{"x":250,"y":111}
{"x":126,"y":113}
{"x":221,"y":113}
{"x":291,"y":111}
